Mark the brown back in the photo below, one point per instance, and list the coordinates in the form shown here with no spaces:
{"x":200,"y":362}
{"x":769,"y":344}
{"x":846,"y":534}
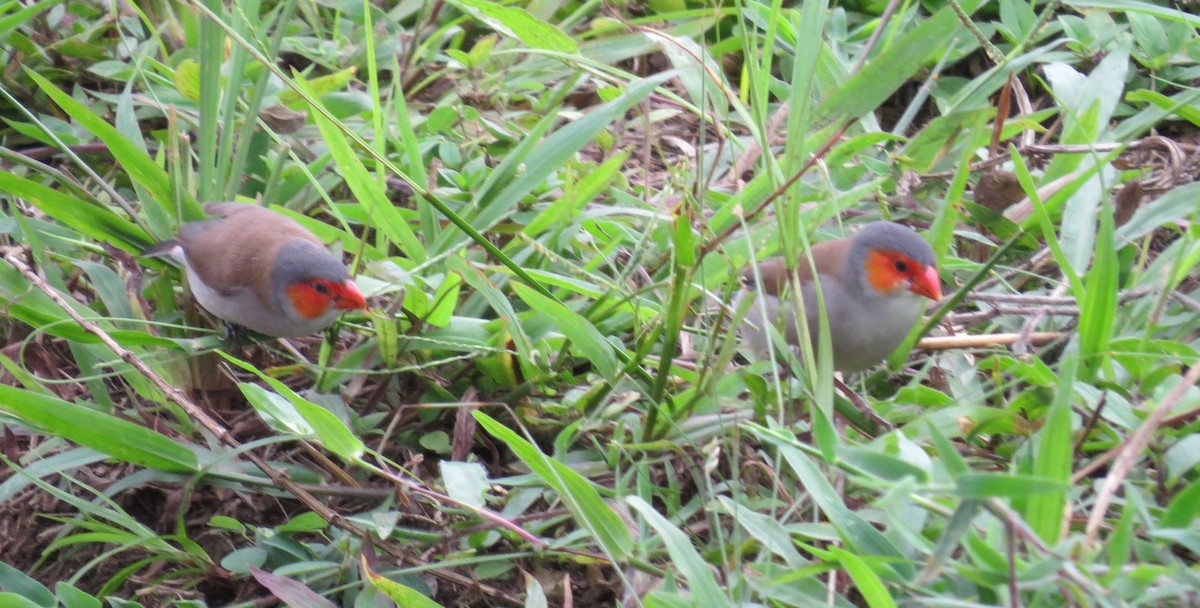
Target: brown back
{"x":829,"y":258}
{"x":237,"y":247}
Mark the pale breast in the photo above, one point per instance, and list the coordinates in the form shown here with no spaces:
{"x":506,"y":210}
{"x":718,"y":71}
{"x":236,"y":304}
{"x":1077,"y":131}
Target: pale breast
{"x":862,"y":333}
{"x":242,"y":306}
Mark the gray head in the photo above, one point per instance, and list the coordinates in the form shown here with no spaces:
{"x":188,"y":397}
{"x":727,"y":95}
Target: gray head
{"x":885,"y":257}
{"x":301,"y":261}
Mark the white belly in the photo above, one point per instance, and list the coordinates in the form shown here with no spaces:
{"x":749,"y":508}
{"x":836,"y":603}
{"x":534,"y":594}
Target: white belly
{"x":242,"y":307}
{"x":862,"y":333}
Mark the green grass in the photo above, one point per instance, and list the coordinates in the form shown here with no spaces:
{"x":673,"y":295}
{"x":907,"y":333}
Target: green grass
{"x":548,"y":204}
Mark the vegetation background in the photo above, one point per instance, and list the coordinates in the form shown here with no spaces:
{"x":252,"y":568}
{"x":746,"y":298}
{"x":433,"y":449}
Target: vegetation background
{"x":548,"y":203}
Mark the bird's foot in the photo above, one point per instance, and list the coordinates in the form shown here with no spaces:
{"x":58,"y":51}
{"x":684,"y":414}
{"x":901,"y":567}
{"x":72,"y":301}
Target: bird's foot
{"x":235,"y":335}
{"x":862,"y":406}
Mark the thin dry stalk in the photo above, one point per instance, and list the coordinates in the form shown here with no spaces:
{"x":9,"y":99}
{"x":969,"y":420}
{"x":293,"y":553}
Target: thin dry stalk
{"x":1131,"y":450}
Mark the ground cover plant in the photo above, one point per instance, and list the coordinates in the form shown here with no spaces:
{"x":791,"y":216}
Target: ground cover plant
{"x":548,"y":205}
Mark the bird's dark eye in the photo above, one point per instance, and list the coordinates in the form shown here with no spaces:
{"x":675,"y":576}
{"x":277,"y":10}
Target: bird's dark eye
{"x":901,"y":266}
{"x":321,"y":288}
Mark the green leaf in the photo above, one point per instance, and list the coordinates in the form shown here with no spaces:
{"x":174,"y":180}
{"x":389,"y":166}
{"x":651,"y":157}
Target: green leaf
{"x":578,"y":494}
{"x":70,"y":597}
{"x":1182,"y":457}
{"x":1150,"y":35}
{"x":141,"y":169}
{"x":1098,"y":310}
{"x":1183,"y":508}
{"x":499,"y":303}
{"x":685,"y":238}
{"x":403,"y":595}
{"x":549,"y":155}
{"x":1185,"y":111}
{"x":1120,"y":540}
{"x":387,"y":339}
{"x":317,"y":87}
{"x":276,"y":411}
{"x":240,"y":561}
{"x":706,"y":592}
{"x":110,"y":288}
{"x":303,"y":418}
{"x":564,"y":209}
{"x":187,"y":79}
{"x":465,"y":481}
{"x":91,"y":220}
{"x":951,"y":535}
{"x":369,"y":191}
{"x":582,"y":334}
{"x":986,"y":485}
{"x":949,"y":456}
{"x":881,"y":77}
{"x":1188,"y":539}
{"x":1052,"y":461}
{"x":516,"y":22}
{"x":445,"y":301}
{"x":23,"y":15}
{"x":23,"y":590}
{"x":865,"y":580}
{"x":1136,"y":6}
{"x":1177,"y":203}
{"x":304,"y":522}
{"x":123,"y":440}
{"x":767,"y":530}
{"x":881,"y":465}
{"x":12,"y":600}
{"x":437,"y":442}
{"x":859,"y":534}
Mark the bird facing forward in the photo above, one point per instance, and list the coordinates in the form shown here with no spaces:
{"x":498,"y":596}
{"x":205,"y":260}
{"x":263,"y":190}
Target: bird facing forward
{"x":872,"y":282}
{"x":259,"y":269}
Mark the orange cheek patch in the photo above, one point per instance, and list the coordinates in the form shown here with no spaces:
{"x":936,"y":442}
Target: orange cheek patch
{"x":881,"y":272}
{"x":307,"y":301}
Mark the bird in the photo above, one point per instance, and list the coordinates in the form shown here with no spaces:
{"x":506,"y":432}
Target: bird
{"x":259,"y":269}
{"x":872,"y":283}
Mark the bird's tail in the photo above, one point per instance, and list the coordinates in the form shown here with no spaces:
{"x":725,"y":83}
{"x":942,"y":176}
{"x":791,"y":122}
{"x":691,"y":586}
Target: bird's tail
{"x":164,"y":249}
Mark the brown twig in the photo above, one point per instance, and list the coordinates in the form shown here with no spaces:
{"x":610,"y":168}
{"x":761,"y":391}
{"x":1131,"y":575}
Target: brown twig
{"x":1185,"y":300}
{"x":753,"y":151}
{"x":1130,"y":451}
{"x":1019,"y":528}
{"x":1019,"y":298}
{"x":1033,"y":263}
{"x":986,"y":340}
{"x":1021,"y":346}
{"x":862,"y":406}
{"x":1175,"y":149}
{"x":1024,"y":305}
{"x":1092,"y":420}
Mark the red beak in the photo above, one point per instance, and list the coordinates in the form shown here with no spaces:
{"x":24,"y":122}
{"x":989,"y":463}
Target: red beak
{"x":929,"y":284}
{"x":349,"y":297}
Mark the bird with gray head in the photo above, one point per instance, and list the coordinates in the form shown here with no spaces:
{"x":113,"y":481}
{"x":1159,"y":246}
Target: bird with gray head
{"x":262,"y":270}
{"x":872,"y":285}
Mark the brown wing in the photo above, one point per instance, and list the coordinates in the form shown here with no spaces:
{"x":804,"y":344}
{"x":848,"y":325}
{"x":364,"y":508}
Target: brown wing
{"x":237,"y":247}
{"x":829,"y":258}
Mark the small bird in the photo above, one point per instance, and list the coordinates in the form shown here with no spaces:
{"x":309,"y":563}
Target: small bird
{"x":872,"y":283}
{"x":259,"y":269}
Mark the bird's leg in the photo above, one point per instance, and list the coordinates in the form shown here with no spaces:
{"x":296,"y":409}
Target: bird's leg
{"x":861,"y":405}
{"x":235,"y":334}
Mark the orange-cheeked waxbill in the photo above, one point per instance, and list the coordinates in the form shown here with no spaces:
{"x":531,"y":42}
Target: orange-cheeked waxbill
{"x":873,"y":284}
{"x":259,"y":269}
